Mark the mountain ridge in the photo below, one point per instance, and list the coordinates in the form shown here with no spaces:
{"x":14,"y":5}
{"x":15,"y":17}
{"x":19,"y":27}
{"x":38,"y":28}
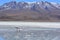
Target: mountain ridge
{"x":30,"y":11}
{"x":14,"y":4}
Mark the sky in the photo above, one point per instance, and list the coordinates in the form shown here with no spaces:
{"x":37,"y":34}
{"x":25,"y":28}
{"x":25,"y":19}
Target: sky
{"x":5,"y":1}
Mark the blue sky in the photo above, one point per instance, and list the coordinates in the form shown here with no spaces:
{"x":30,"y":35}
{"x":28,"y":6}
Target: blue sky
{"x":4,"y":1}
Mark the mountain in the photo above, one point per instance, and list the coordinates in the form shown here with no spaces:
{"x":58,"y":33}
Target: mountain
{"x":37,"y":11}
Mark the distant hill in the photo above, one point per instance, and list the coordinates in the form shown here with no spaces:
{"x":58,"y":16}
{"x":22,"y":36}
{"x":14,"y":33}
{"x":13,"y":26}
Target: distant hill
{"x":30,"y":11}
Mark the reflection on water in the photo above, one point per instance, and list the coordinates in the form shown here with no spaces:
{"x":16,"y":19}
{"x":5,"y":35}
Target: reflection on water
{"x":1,"y":38}
{"x":29,"y":33}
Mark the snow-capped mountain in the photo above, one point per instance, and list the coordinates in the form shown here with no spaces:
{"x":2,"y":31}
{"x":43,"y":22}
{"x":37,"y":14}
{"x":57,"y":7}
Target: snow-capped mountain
{"x":31,"y":10}
{"x":24,"y":5}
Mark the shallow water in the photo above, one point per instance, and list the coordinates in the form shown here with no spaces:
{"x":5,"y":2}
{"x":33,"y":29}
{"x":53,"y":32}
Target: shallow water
{"x":29,"y":33}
